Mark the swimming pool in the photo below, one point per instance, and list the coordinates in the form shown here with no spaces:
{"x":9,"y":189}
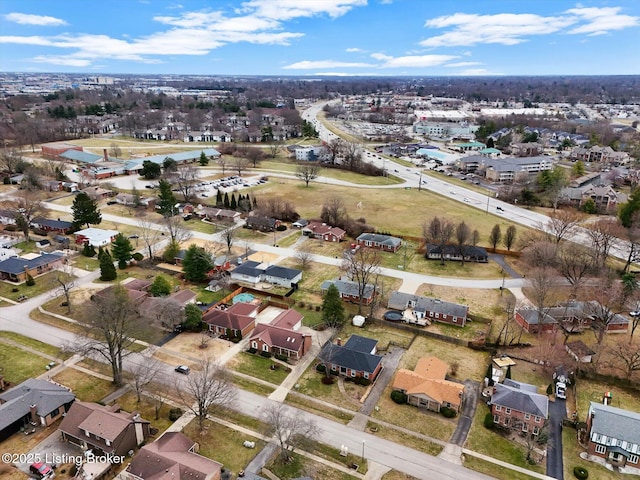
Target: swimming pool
{"x":244,"y":298}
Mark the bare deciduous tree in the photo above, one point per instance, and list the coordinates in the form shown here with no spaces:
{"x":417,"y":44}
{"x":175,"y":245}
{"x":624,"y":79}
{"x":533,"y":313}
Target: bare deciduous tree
{"x":462,"y":236}
{"x":307,"y":172}
{"x":542,"y":282}
{"x":303,"y":255}
{"x":110,"y":327}
{"x":625,"y":357}
{"x":186,"y":179}
{"x":438,"y":231}
{"x":159,"y":394}
{"x":361,"y":267}
{"x":562,"y":223}
{"x":334,"y":147}
{"x":166,"y":312}
{"x":140,"y":376}
{"x":290,"y":430}
{"x":229,"y":235}
{"x":334,"y":212}
{"x":239,"y":164}
{"x":26,"y":206}
{"x":206,"y":388}
{"x":575,"y":262}
{"x":222,"y":162}
{"x":509,"y":237}
{"x":149,"y":233}
{"x":65,"y":281}
{"x":174,"y":227}
{"x":603,"y":234}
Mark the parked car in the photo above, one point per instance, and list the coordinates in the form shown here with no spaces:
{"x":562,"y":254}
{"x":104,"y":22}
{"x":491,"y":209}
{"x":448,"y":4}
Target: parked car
{"x":41,"y":470}
{"x":499,"y":209}
{"x":635,"y":313}
{"x":183,"y":369}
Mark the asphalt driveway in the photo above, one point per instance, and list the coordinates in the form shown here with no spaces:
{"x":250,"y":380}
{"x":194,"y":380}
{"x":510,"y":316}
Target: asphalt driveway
{"x":557,"y":411}
{"x":390,"y":363}
{"x":469,"y":404}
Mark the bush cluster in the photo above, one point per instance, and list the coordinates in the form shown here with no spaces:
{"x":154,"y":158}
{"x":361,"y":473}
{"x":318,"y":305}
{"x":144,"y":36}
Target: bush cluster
{"x":327,"y":380}
{"x":450,"y":412}
{"x":265,"y":354}
{"x":399,"y":397}
{"x":175,"y":414}
{"x":580,"y":473}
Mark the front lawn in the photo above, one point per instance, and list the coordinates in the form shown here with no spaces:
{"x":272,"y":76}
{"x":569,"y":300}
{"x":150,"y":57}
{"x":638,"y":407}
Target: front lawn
{"x":44,"y":283}
{"x":404,"y":438}
{"x":259,"y":367}
{"x":311,"y":384}
{"x":146,"y":408}
{"x":35,"y":344}
{"x":86,"y":387}
{"x":494,"y":470}
{"x":316,"y":408}
{"x":16,"y":365}
{"x":301,"y":466}
{"x":571,"y":450}
{"x":223,"y":444}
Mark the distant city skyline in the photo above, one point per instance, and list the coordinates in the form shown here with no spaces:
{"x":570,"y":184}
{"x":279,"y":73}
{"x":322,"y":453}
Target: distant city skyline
{"x":322,"y":37}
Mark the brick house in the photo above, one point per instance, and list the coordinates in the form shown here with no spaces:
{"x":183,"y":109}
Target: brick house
{"x":262,"y":223}
{"x":611,"y":435}
{"x":356,"y":358}
{"x":48,"y":225}
{"x":426,"y":385}
{"x":386,"y":243}
{"x":15,"y":269}
{"x":534,"y":321}
{"x":281,"y":336}
{"x":468,"y":253}
{"x":238,"y":318}
{"x":423,"y":310}
{"x":519,"y":406}
{"x":322,"y":231}
{"x":349,"y":291}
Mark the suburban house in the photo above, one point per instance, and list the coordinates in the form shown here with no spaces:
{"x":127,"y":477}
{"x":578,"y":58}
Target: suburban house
{"x":604,"y":197}
{"x":579,"y":351}
{"x":423,"y":310}
{"x":33,"y":402}
{"x":468,"y":253}
{"x":597,"y":153}
{"x":534,"y":321}
{"x":281,"y":336}
{"x":262,"y":223}
{"x":47,"y":225}
{"x":356,"y":358}
{"x":103,"y":429}
{"x":15,"y":269}
{"x":255,"y":272}
{"x":611,"y":435}
{"x":95,"y":237}
{"x":239,"y":318}
{"x":426,"y":385}
{"x":386,"y":243}
{"x":349,"y":291}
{"x":519,"y":406}
{"x":173,"y":456}
{"x":7,"y":217}
{"x":219,"y":214}
{"x":577,"y":316}
{"x":322,"y":231}
{"x":98,"y":193}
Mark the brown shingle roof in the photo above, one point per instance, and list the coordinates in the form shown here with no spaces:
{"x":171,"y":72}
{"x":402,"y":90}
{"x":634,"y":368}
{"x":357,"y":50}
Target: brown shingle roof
{"x":287,"y":319}
{"x":278,"y":337}
{"x":428,"y":378}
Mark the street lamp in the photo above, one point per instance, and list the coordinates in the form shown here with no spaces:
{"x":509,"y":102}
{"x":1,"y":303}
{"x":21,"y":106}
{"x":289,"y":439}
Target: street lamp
{"x":362,"y":457}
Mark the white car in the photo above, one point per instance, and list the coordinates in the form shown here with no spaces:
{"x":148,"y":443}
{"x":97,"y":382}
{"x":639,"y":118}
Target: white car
{"x":466,"y":200}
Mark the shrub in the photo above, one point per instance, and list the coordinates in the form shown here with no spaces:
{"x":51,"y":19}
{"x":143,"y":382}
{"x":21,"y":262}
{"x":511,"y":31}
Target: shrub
{"x":488,"y":421}
{"x":30,"y":281}
{"x":175,"y":414}
{"x":138,"y":257}
{"x":265,"y":354}
{"x":327,"y":380}
{"x":449,"y":412}
{"x":301,"y":304}
{"x":318,"y":308}
{"x":15,"y":289}
{"x":321,"y":368}
{"x":399,"y":397}
{"x":235,"y":340}
{"x":580,"y":473}
{"x":281,"y":228}
{"x":282,"y":358}
{"x":550,"y":389}
{"x":362,"y":381}
{"x":252,"y":350}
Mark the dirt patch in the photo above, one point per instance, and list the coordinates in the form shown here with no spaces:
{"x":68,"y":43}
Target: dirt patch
{"x":189,"y":344}
{"x":263,"y":257}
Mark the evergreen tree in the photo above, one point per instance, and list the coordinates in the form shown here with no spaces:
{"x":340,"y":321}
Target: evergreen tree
{"x":107,"y":269}
{"x":122,"y":250}
{"x":508,"y":374}
{"x":255,"y":202}
{"x":171,"y":252}
{"x":88,"y":250}
{"x":219,"y":201}
{"x":226,"y":200}
{"x":160,"y":287}
{"x":193,"y":318}
{"x":196,"y":264}
{"x":233,"y":205}
{"x":85,"y":211}
{"x":332,"y":308}
{"x":166,"y":199}
{"x":627,"y":210}
{"x":203,"y":160}
{"x":150,"y":170}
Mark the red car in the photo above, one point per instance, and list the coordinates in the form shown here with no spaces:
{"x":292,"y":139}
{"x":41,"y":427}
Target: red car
{"x":41,"y":470}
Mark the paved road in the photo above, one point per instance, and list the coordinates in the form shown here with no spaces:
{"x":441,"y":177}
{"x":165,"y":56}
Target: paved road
{"x":471,"y":390}
{"x":557,"y":411}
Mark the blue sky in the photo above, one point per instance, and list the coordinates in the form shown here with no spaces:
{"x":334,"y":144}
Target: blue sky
{"x":321,"y":37}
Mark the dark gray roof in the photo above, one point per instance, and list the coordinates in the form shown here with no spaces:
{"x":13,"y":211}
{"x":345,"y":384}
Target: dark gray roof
{"x":532,"y":317}
{"x":615,"y":423}
{"x":248,"y":268}
{"x":281,"y":272}
{"x":380,"y":239}
{"x":360,"y":344}
{"x":400,"y":301}
{"x":352,"y":359}
{"x":453,"y":250}
{"x":521,"y":400}
{"x":347,"y":287}
{"x":46,"y":222}
{"x":46,"y":396}
{"x":16,"y":265}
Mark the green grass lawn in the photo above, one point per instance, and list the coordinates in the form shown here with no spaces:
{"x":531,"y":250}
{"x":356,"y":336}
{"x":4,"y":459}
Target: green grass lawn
{"x":254,"y":387}
{"x":495,"y":471}
{"x":86,"y":387}
{"x":381,"y":332}
{"x":259,"y":367}
{"x":86,"y":263}
{"x":223,"y":444}
{"x":318,"y":409}
{"x":16,"y":365}
{"x":35,"y":344}
{"x":301,"y":466}
{"x":129,"y":403}
{"x":592,"y":391}
{"x":571,"y":450}
{"x":492,"y":443}
{"x":44,"y":283}
{"x":311,"y":384}
{"x":404,"y":438}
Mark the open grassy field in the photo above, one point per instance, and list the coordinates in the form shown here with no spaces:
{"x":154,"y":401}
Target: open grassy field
{"x":472,"y":364}
{"x":259,"y":367}
{"x":399,"y":211}
{"x":86,"y":387}
{"x":492,"y":443}
{"x":223,"y":444}
{"x":18,"y":364}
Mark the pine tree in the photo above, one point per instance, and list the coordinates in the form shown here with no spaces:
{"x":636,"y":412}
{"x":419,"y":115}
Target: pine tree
{"x":233,"y":205}
{"x":160,"y":287}
{"x":226,"y":200}
{"x":88,"y":250}
{"x":219,"y":201}
{"x":204,"y":160}
{"x":196,"y":264}
{"x":85,"y":211}
{"x":332,"y":308}
{"x":166,"y":199}
{"x":255,"y":202}
{"x":107,"y":269}
{"x":122,"y":250}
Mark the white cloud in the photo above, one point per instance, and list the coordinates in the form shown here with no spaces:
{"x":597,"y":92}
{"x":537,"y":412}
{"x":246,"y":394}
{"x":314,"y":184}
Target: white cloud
{"x":62,"y":60}
{"x":40,"y":20}
{"x":415,"y":61}
{"x":353,"y":50}
{"x":512,"y":29}
{"x":308,"y":64}
{"x":288,"y":9}
{"x":462,"y":64}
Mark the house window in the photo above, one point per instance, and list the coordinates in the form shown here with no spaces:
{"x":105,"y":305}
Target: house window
{"x":496,"y":418}
{"x":633,"y":459}
{"x":536,"y":430}
{"x":527,"y":416}
{"x":498,"y":408}
{"x":506,"y":421}
{"x":437,"y":315}
{"x":507,"y":411}
{"x":525,"y":427}
{"x":366,"y":375}
{"x":353,"y":373}
{"x":455,"y":319}
{"x":265,"y":347}
{"x":537,"y":419}
{"x":601,"y":449}
{"x":55,"y":413}
{"x":254,"y":344}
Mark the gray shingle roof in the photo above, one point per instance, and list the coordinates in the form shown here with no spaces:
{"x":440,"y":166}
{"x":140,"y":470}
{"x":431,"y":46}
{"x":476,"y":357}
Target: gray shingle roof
{"x":361,"y":344}
{"x":347,"y":287}
{"x":46,"y":396}
{"x":352,"y":359}
{"x":615,"y":422}
{"x":521,"y":399}
{"x":400,"y":301}
{"x":281,"y":272}
{"x":380,"y":239}
{"x":16,"y":265}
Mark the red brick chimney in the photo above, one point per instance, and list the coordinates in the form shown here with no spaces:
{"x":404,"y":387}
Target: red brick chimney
{"x":34,"y":413}
{"x":104,"y":154}
{"x":339,"y":342}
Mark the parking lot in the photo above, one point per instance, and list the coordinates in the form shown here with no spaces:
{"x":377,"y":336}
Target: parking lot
{"x":225,"y":185}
